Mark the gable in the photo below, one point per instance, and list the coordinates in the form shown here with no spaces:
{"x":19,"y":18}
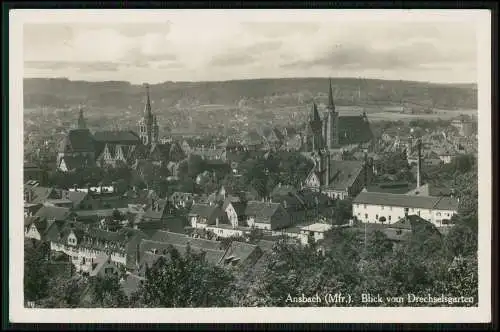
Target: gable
{"x":230,"y":209}
{"x":313,"y":180}
{"x":62,"y":165}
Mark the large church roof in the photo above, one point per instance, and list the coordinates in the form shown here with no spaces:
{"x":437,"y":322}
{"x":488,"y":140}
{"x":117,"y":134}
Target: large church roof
{"x":77,"y":140}
{"x":354,"y":129}
{"x":117,"y":136}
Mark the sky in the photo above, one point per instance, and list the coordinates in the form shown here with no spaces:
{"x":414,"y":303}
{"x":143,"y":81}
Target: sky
{"x":222,"y":46}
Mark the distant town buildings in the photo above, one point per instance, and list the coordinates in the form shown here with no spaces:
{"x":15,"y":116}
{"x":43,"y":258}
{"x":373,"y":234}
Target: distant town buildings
{"x":117,"y":148}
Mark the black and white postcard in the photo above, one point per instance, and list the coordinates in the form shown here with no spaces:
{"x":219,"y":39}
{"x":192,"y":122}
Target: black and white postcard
{"x":242,"y":166}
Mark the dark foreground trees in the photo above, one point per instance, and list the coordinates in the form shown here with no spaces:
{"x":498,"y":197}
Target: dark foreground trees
{"x":179,"y":281}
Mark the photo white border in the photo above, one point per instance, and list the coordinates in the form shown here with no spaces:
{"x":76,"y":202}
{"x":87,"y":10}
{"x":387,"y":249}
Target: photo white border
{"x":19,"y":314}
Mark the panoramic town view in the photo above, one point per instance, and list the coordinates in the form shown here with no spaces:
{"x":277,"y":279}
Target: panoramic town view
{"x":254,"y":173}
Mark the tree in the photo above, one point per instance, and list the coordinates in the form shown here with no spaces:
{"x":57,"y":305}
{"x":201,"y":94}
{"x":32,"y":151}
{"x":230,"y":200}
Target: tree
{"x":394,"y":164}
{"x":107,"y":292}
{"x":343,"y":210}
{"x":64,"y":292}
{"x":186,"y":281}
{"x":36,"y":271}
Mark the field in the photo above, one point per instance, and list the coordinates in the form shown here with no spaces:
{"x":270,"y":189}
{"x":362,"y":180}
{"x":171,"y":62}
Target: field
{"x":437,"y":115}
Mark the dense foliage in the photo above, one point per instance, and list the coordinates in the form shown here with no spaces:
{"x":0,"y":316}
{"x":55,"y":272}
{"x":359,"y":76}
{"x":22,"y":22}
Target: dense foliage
{"x":185,"y":281}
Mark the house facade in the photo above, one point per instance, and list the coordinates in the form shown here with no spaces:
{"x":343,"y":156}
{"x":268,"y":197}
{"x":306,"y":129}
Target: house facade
{"x":266,"y":215}
{"x":88,"y":246}
{"x":371,"y":207}
{"x":203,"y":215}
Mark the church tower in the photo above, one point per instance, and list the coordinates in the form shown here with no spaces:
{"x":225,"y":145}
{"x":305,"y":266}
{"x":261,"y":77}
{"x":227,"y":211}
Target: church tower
{"x":332,"y":133}
{"x":81,"y":124}
{"x":148,"y":125}
{"x":315,"y":128}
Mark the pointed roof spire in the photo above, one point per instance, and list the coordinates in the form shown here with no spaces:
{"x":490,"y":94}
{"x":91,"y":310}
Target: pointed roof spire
{"x":331,"y":104}
{"x":314,"y":116}
{"x":81,"y":124}
{"x":147,"y":107}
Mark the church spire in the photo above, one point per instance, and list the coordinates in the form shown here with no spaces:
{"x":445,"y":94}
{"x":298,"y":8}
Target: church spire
{"x":331,"y":105}
{"x":147,"y":108}
{"x":81,"y":124}
{"x":314,"y":116}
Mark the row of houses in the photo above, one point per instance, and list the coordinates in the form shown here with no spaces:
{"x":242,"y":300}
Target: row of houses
{"x":389,"y":208}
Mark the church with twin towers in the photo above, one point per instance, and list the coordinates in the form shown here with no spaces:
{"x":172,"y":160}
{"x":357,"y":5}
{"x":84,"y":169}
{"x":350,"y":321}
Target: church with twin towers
{"x":333,"y":132}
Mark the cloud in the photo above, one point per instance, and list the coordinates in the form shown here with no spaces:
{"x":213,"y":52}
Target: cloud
{"x":80,"y":66}
{"x":280,"y":29}
{"x":137,"y":57}
{"x":232,"y":49}
{"x":410,"y":54}
{"x":171,"y":65}
{"x":263,"y":47}
{"x":228,"y":59}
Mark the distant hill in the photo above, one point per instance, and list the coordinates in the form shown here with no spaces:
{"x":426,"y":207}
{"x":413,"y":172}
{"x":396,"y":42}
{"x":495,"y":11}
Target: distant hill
{"x":261,"y":93}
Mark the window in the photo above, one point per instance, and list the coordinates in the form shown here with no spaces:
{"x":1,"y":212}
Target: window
{"x":389,"y":218}
{"x":390,"y":208}
{"x":364,"y":206}
{"x":383,"y":207}
{"x":366,"y":215}
{"x":376,"y":216}
{"x":438,"y":214}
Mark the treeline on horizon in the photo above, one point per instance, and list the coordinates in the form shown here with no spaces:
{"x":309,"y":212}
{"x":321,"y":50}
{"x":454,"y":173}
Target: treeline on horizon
{"x":61,"y":92}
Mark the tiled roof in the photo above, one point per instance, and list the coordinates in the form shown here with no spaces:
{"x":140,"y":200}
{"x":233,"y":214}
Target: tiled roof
{"x":203,"y":210}
{"x":117,"y":136}
{"x":431,"y":190}
{"x":77,"y":140}
{"x":49,"y":212}
{"x":74,"y":196}
{"x":41,"y":194}
{"x":240,"y":251}
{"x":97,"y":233}
{"x":280,"y":190}
{"x":310,"y":198}
{"x":402,"y":200}
{"x":344,"y":173}
{"x":392,"y":188}
{"x":183,"y":239}
{"x":213,"y":255}
{"x":266,"y":245}
{"x":413,"y":223}
{"x":261,"y":210}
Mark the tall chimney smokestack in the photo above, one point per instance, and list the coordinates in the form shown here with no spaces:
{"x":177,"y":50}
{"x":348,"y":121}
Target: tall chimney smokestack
{"x":419,"y":161}
{"x":366,"y":169}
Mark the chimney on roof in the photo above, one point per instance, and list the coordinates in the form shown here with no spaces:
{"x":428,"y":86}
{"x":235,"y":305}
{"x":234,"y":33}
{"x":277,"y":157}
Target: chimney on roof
{"x":30,"y":195}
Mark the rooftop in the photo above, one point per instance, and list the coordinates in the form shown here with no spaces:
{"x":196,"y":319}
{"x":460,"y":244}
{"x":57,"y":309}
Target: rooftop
{"x":317,"y":227}
{"x":403,"y":200}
